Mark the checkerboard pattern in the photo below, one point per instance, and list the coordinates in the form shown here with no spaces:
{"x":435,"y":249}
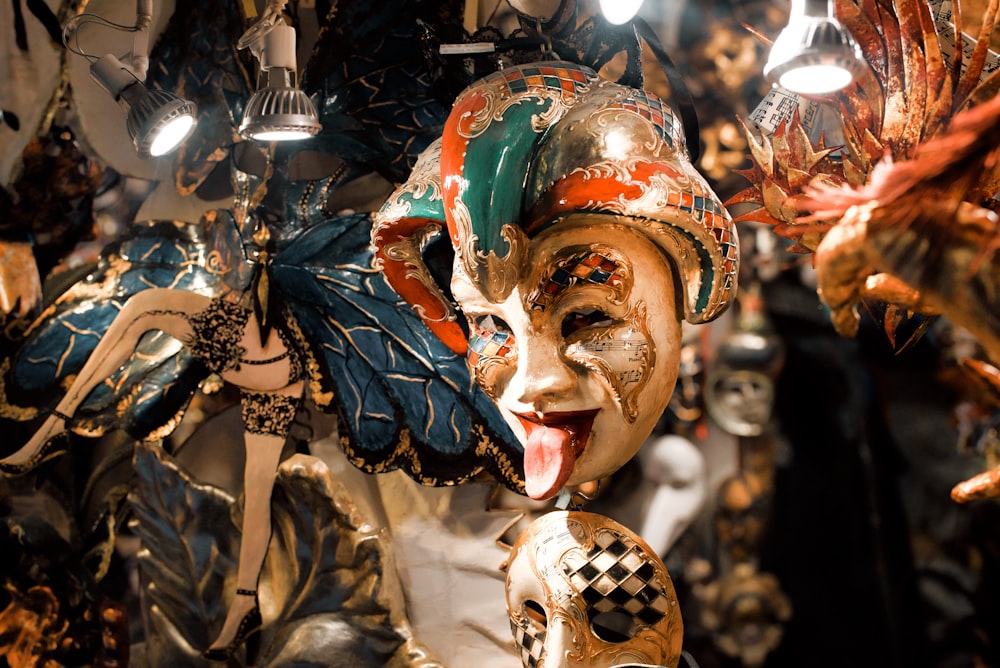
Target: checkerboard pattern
{"x":586,"y":266}
{"x":531,"y":642}
{"x":618,"y":576}
{"x":653,"y":109}
{"x":570,"y":81}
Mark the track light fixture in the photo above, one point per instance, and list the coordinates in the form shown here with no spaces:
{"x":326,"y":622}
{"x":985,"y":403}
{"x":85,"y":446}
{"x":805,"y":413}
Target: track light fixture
{"x":158,"y":121}
{"x":814,"y":54}
{"x":278,"y":110}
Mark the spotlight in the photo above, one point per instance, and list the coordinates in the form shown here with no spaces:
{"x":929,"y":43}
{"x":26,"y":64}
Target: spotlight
{"x":279,"y":110}
{"x":618,"y":12}
{"x":814,"y":54}
{"x":158,"y":121}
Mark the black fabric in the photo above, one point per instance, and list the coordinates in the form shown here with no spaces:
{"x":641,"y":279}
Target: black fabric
{"x":679,"y":92}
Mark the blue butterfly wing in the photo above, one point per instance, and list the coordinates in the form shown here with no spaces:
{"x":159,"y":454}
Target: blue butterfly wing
{"x":149,"y":392}
{"x":404,"y":399}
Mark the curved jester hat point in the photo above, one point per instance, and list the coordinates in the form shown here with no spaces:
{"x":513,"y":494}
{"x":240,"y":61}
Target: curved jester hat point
{"x":544,"y":144}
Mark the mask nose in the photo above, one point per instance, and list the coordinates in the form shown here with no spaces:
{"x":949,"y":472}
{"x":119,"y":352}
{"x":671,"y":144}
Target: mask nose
{"x":562,"y":645}
{"x":543,"y":375}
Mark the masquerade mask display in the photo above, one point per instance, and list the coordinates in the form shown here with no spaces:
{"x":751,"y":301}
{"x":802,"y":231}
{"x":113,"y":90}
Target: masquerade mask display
{"x":583,"y":590}
{"x":582,"y":235}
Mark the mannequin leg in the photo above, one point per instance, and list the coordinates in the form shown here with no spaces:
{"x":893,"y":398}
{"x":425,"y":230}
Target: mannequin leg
{"x":263,"y":456}
{"x":262,"y":459}
{"x":154,"y":309}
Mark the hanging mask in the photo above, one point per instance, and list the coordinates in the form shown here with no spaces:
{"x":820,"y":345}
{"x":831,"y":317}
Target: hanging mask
{"x":583,"y":590}
{"x":739,"y":392}
{"x":582,"y":235}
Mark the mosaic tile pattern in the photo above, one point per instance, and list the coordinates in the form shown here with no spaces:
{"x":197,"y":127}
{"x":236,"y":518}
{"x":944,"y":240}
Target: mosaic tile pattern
{"x":520,"y":79}
{"x":710,"y":213}
{"x":587,"y":266}
{"x":489,"y":343}
{"x":653,"y":109}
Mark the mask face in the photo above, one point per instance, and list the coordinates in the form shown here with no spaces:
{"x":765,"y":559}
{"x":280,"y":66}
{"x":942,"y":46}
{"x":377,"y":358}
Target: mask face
{"x":582,"y":355}
{"x":563,"y":196}
{"x":740,"y":400}
{"x":584,"y":591}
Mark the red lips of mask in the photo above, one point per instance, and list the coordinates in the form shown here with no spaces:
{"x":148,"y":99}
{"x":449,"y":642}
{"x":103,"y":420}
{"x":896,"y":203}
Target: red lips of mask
{"x":554,"y":442}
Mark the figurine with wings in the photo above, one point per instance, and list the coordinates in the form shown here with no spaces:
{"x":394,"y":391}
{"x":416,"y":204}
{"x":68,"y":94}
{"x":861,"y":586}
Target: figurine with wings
{"x":274,"y":294}
{"x":279,"y":294}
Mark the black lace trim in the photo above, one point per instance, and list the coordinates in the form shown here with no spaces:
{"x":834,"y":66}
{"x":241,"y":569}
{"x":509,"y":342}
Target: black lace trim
{"x":218,"y":331}
{"x":268,"y":413}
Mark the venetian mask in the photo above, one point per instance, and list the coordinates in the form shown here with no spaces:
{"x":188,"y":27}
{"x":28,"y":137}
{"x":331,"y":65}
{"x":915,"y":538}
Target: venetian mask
{"x":739,"y":393}
{"x":740,"y":516}
{"x":582,"y":236}
{"x":746,"y":611}
{"x":583,"y":590}
{"x":581,"y":356}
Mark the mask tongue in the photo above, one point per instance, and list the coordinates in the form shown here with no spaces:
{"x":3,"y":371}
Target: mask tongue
{"x":549,"y":457}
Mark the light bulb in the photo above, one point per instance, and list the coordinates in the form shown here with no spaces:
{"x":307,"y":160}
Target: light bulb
{"x":814,"y":54}
{"x":171,"y":135}
{"x":618,"y":12}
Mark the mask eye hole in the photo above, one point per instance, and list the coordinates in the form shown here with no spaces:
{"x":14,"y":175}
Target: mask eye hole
{"x":535,"y":614}
{"x":577,"y":320}
{"x":488,"y":324}
{"x":613,"y":626}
